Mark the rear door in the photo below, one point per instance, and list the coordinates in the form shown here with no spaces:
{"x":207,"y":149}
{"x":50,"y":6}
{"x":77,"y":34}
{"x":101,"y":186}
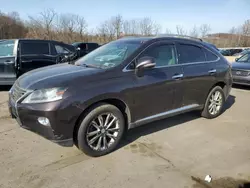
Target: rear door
{"x":35,"y":54}
{"x":199,"y":72}
{"x":8,"y":49}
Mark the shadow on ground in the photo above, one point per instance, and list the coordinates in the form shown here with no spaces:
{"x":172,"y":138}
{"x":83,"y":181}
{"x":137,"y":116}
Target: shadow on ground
{"x":241,"y":87}
{"x":5,"y":88}
{"x":150,"y":128}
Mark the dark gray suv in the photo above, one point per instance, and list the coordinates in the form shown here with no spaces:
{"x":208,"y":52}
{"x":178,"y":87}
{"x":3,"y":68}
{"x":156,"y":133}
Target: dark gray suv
{"x":121,"y":85}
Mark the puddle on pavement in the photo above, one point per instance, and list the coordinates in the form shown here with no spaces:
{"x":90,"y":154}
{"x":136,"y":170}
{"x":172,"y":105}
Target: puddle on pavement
{"x":147,"y":150}
{"x":144,"y":149}
{"x":226,"y":182}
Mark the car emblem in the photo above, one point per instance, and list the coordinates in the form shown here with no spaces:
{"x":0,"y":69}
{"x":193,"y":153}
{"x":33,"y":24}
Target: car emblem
{"x":238,"y":72}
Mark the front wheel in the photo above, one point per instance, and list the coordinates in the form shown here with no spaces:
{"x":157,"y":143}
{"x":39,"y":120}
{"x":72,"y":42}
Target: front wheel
{"x":214,"y":103}
{"x":101,"y":130}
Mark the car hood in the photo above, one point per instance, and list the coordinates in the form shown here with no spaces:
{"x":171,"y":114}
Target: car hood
{"x":237,"y":65}
{"x":54,"y":76}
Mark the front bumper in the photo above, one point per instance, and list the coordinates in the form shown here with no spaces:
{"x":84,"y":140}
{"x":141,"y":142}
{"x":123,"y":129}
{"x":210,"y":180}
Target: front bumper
{"x":59,"y":131}
{"x":241,"y":80}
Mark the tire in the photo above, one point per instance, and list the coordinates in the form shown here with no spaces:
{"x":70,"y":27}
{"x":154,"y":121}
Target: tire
{"x":206,"y":113}
{"x":91,"y":124}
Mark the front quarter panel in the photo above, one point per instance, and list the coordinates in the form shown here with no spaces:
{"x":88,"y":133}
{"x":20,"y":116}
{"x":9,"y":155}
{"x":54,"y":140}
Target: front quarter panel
{"x":116,"y":87}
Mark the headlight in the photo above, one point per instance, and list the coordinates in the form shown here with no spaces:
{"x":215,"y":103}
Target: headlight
{"x":45,"y":95}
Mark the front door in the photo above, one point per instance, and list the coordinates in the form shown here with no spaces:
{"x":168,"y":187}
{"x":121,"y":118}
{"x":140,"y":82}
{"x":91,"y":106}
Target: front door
{"x":7,"y":62}
{"x":155,"y":92}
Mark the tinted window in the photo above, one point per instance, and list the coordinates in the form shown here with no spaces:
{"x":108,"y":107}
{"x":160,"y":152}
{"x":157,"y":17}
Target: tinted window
{"x":29,"y":48}
{"x":7,"y":48}
{"x":190,"y":53}
{"x":61,"y":49}
{"x":163,"y":54}
{"x":92,"y":46}
{"x":210,"y":56}
{"x":82,"y":46}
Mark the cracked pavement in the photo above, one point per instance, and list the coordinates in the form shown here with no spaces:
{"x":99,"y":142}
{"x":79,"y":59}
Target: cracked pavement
{"x":167,"y":153}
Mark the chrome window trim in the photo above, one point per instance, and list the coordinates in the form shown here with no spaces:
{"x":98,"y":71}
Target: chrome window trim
{"x":178,"y":64}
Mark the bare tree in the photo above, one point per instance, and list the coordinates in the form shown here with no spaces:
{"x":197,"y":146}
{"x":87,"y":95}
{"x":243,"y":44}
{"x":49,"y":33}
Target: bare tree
{"x":11,"y":26}
{"x":82,"y":26}
{"x":131,"y":27}
{"x":246,"y":28}
{"x":168,"y":31}
{"x":204,"y":30}
{"x":44,"y":22}
{"x":148,"y":27}
{"x":180,"y":30}
{"x":194,"y":32}
{"x":116,"y":22}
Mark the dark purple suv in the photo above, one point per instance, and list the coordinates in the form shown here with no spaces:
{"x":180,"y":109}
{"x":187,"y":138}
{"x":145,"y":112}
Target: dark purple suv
{"x":121,"y":85}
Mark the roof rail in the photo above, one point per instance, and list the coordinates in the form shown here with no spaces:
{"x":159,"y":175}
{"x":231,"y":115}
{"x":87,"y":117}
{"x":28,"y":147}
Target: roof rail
{"x":124,"y":37}
{"x":180,"y":36}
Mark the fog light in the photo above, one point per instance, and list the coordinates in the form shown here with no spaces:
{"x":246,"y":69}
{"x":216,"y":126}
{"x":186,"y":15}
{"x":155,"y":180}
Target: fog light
{"x":44,"y":121}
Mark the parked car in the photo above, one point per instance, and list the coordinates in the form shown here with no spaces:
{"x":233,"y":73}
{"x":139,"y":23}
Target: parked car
{"x":241,"y":70}
{"x":18,"y":56}
{"x":85,"y":47}
{"x":92,"y":102}
{"x":245,"y":51}
{"x":230,"y":52}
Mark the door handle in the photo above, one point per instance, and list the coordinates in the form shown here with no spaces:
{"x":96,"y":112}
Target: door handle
{"x":8,"y":62}
{"x":212,"y":71}
{"x":177,"y":76}
{"x":26,"y":61}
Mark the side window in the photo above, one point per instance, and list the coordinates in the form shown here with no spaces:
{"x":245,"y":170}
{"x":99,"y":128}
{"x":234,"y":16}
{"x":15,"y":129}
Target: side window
{"x":164,"y":54}
{"x":210,"y":56}
{"x":190,"y":53}
{"x":61,"y":50}
{"x":31,"y":48}
{"x":92,"y":46}
{"x":7,"y":48}
{"x":83,"y":46}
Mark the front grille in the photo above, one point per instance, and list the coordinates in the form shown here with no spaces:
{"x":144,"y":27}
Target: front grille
{"x":16,"y":92}
{"x":241,"y":72}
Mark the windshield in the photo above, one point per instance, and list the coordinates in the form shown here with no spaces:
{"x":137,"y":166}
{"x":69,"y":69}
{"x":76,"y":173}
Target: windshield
{"x":109,"y":55}
{"x":245,"y":58}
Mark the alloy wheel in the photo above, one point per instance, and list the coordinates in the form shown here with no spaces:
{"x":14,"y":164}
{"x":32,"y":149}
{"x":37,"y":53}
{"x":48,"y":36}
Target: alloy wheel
{"x":103,"y":131}
{"x":215,"y":103}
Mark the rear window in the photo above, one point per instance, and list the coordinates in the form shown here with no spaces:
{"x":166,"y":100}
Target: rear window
{"x":210,"y":56}
{"x":31,"y":48}
{"x":189,"y":53}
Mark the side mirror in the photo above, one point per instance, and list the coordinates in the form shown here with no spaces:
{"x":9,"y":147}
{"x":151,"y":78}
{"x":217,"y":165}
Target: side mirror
{"x":144,"y":63}
{"x":236,"y":59}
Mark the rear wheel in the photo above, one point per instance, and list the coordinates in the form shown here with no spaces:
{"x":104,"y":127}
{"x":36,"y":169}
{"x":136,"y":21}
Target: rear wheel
{"x":101,"y":130}
{"x":214,"y":103}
